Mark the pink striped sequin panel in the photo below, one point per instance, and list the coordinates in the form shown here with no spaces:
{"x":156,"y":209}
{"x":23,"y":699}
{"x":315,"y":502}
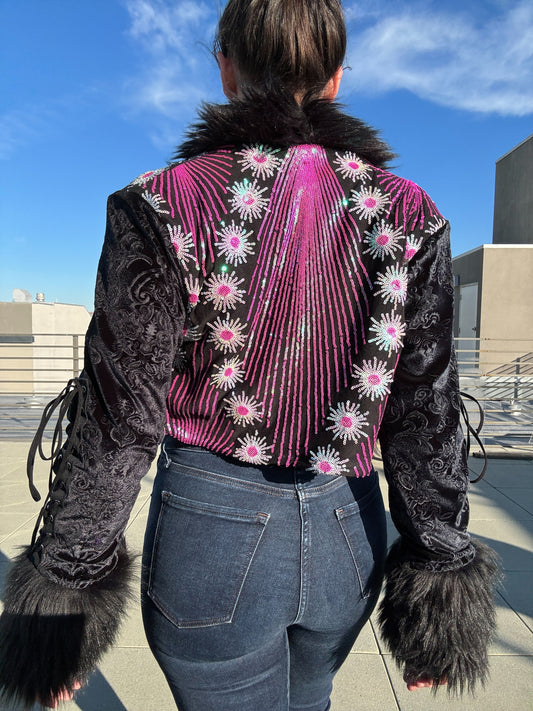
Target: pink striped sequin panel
{"x":309,"y":298}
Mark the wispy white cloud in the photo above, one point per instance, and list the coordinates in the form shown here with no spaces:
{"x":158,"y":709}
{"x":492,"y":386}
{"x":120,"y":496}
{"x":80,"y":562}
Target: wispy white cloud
{"x":476,"y":56}
{"x":162,"y":25}
{"x":457,"y":58}
{"x":178,"y":72}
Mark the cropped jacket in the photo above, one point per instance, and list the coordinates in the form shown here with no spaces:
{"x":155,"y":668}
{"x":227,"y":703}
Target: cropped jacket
{"x":277,"y":296}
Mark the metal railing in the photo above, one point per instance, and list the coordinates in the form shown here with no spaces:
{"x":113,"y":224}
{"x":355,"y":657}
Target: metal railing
{"x":497,"y":372}
{"x":33,"y":369}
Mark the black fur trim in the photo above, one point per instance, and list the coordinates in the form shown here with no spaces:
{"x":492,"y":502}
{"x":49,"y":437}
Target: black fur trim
{"x":438,"y":624}
{"x":52,"y":636}
{"x":279,"y":121}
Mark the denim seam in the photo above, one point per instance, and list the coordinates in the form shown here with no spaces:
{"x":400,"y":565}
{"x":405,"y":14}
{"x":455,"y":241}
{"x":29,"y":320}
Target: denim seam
{"x":364,"y":594}
{"x":226,"y":512}
{"x":233,"y":482}
{"x":305,"y":540}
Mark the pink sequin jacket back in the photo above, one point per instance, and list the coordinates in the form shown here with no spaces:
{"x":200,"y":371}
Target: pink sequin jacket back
{"x":281,"y":305}
{"x":281,"y":299}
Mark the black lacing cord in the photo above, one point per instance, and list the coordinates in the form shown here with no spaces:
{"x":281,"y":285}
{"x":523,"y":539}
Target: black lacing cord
{"x":73,"y":392}
{"x":474,"y":432}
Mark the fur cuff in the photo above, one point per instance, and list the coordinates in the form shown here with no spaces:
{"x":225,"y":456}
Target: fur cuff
{"x":52,"y":635}
{"x":438,"y":624}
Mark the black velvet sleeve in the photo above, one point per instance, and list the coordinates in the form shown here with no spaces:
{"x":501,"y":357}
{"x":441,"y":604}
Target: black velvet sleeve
{"x":66,"y":594}
{"x":437,"y":615}
{"x":421,"y":442}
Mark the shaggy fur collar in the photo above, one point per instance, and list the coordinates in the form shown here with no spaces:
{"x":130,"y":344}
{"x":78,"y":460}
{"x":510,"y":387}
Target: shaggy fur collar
{"x":280,"y":121}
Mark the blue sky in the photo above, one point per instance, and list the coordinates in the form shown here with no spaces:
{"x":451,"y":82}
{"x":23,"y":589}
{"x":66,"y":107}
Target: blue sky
{"x":99,"y":91}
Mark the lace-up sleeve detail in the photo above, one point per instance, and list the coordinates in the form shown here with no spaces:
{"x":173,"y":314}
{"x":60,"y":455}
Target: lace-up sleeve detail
{"x":131,"y":341}
{"x":68,"y":590}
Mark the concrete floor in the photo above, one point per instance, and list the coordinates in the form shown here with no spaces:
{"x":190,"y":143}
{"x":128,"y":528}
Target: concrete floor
{"x":501,"y":515}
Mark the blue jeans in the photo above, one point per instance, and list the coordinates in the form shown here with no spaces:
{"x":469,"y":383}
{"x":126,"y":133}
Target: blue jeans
{"x":257,"y":580}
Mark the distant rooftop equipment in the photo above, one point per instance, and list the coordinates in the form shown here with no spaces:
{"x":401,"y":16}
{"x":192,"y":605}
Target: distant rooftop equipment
{"x":39,"y":297}
{"x":21,"y":296}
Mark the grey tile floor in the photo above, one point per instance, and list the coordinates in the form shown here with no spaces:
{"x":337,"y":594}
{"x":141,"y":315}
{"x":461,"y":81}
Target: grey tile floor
{"x":501,"y":515}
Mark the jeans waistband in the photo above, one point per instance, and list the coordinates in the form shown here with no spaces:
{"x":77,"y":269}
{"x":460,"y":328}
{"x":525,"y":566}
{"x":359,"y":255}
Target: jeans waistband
{"x":212,"y":464}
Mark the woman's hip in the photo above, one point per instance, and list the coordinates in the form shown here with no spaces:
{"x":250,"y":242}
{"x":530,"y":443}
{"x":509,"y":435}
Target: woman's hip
{"x":230,"y":553}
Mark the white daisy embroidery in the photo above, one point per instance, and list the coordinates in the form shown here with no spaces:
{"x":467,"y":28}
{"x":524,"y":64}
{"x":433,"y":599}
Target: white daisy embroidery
{"x":223,"y":291}
{"x":435,"y":225}
{"x":193,"y":288}
{"x":351,"y":166}
{"x":389,"y":332}
{"x":369,"y":202}
{"x":253,"y":449}
{"x":181,"y":242}
{"x":234,"y":244}
{"x":327,"y":460}
{"x":382,"y":240}
{"x":373,"y":379}
{"x":144,"y":177}
{"x":156,"y":201}
{"x":227,"y":334}
{"x":260,"y":160}
{"x":348,"y":421}
{"x":412,"y":246}
{"x":248,"y":200}
{"x":393,"y":284}
{"x":243,"y":410}
{"x":228,"y":374}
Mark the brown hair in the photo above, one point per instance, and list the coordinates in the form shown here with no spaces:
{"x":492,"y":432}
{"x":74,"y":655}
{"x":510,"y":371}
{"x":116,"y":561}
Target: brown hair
{"x":292,"y":45}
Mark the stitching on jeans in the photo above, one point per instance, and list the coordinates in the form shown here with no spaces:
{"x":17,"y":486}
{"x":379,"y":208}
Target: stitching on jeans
{"x":305,"y":531}
{"x":226,"y":480}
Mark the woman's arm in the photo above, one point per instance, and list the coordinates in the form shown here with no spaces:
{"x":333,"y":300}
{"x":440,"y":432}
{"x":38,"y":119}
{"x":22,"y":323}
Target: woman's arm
{"x":66,"y":594}
{"x":437,"y":615}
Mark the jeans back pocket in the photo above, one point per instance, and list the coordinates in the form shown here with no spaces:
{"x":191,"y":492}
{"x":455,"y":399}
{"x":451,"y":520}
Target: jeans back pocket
{"x":202,"y":554}
{"x":364,"y":528}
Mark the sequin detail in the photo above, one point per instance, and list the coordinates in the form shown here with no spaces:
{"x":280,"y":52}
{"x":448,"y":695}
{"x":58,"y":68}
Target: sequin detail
{"x":435,"y":225}
{"x":235,"y":244}
{"x":373,"y":379}
{"x":228,"y":374}
{"x":193,"y":289}
{"x":327,"y":460}
{"x":393,"y":285}
{"x":351,"y":166}
{"x":369,"y":202}
{"x":243,"y":410}
{"x":145,"y":177}
{"x":383,"y":240}
{"x":348,"y":421}
{"x":222,"y":290}
{"x":248,"y":200}
{"x":156,"y":202}
{"x":227,"y":335}
{"x":181,"y":242}
{"x":260,"y":160}
{"x":412,"y":246}
{"x":390,"y":331}
{"x":253,"y":449}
